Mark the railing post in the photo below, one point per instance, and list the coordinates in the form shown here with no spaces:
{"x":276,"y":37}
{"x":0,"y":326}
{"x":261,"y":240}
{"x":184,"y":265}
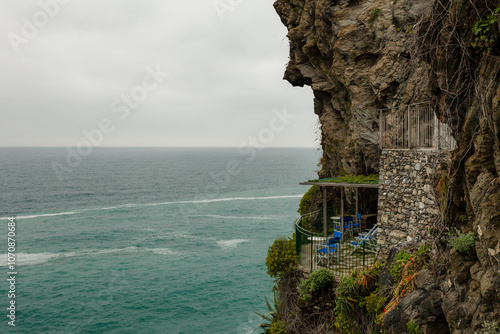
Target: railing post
{"x":312,"y":248}
{"x":341,"y":213}
{"x":380,"y":125}
{"x":418,"y":129}
{"x":325,"y":213}
{"x":364,"y":254}
{"x":439,"y":132}
{"x":298,"y":237}
{"x":409,"y":129}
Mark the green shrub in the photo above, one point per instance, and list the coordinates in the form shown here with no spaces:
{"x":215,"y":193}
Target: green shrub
{"x":423,"y":250}
{"x":462,"y":242}
{"x":318,"y":281}
{"x":401,"y":258}
{"x":277,"y":327}
{"x":305,"y":289}
{"x":375,"y":302}
{"x":273,"y":324}
{"x":307,"y":200}
{"x":489,"y":327}
{"x":281,"y":257}
{"x":345,"y":303}
{"x":359,"y":302}
{"x":352,"y":178}
{"x":413,"y":328}
{"x":375,"y":13}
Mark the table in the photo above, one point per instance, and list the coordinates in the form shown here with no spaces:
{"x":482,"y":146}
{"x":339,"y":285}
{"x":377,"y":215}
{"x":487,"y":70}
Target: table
{"x":318,"y":238}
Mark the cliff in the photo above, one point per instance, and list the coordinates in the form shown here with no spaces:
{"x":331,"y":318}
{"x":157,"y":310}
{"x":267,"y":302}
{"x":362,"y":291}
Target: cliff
{"x":359,"y":56}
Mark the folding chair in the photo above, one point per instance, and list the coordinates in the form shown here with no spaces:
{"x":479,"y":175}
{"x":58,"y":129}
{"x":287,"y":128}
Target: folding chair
{"x":356,"y":224}
{"x":348,"y":220}
{"x":330,"y":249}
{"x":368,"y":240}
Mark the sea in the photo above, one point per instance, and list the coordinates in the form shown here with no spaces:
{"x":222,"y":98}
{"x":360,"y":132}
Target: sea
{"x":143,"y":240}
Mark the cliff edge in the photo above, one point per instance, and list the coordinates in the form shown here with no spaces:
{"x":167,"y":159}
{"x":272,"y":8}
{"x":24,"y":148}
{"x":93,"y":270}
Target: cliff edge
{"x":360,"y":56}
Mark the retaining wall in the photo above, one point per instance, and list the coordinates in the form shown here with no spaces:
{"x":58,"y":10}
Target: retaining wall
{"x":406,"y":206}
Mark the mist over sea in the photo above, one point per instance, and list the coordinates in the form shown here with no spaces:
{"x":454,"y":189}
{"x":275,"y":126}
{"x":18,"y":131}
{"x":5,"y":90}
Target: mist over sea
{"x":145,"y":240}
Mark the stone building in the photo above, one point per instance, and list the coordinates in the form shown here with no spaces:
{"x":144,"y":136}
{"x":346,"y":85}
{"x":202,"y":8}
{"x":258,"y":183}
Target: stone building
{"x":414,"y":143}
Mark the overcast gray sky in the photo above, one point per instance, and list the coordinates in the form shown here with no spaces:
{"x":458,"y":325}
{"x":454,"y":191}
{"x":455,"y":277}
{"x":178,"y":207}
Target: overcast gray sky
{"x":66,"y":66}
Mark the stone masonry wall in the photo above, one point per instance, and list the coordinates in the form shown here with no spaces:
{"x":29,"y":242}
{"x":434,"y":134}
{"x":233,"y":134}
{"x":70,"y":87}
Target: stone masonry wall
{"x":406,"y":205}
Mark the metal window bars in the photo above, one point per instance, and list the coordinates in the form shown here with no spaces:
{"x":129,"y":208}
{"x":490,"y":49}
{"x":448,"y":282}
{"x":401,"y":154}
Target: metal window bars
{"x":414,"y":126}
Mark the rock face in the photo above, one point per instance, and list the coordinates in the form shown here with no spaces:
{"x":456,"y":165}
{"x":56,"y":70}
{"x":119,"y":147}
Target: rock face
{"x":354,"y":54}
{"x":422,"y":306}
{"x":363,"y":55}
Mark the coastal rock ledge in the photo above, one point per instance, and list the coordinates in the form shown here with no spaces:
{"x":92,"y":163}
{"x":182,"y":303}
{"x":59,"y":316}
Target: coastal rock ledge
{"x":360,"y":56}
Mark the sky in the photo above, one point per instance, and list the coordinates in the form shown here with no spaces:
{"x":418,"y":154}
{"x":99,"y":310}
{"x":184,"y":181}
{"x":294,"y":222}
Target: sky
{"x":155,"y":73}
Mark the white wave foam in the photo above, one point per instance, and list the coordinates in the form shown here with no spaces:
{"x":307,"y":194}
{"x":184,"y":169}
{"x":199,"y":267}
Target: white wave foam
{"x":227,"y":244}
{"x":236,"y":217}
{"x":108,"y":208}
{"x":44,"y":215}
{"x":185,"y":235}
{"x":162,"y":251}
{"x":214,"y":200}
{"x":27,"y":259}
{"x":119,"y":207}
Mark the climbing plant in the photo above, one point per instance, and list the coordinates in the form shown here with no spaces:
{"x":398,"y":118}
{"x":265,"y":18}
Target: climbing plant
{"x":484,"y":36}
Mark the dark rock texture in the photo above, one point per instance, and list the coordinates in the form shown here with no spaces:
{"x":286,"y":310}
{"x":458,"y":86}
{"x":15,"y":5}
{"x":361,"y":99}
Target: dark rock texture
{"x":362,"y":55}
{"x":422,"y":306}
{"x":354,"y":54}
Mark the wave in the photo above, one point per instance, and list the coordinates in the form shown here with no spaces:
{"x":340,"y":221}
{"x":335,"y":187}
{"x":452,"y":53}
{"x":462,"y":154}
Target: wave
{"x":200,"y":201}
{"x":212,"y":200}
{"x":185,"y":235}
{"x":236,"y":217}
{"x":44,"y":215}
{"x":131,"y":205}
{"x":162,"y":251}
{"x":228,"y":199}
{"x":227,"y":244}
{"x":29,"y":259}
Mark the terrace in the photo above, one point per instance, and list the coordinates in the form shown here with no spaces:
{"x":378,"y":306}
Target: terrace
{"x":413,"y":142}
{"x":329,"y":237}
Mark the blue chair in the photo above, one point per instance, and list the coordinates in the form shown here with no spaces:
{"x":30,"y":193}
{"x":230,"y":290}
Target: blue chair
{"x":356,"y":224}
{"x":348,"y":221}
{"x":326,"y":253}
{"x":329,"y":250}
{"x":332,"y":243}
{"x":368,"y":240}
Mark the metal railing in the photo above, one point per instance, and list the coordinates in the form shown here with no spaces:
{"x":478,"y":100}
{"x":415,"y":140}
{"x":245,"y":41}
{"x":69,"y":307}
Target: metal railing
{"x":414,"y":126}
{"x":341,"y":261}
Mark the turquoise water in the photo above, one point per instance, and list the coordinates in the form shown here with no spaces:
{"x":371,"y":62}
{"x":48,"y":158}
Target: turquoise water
{"x":145,"y":240}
